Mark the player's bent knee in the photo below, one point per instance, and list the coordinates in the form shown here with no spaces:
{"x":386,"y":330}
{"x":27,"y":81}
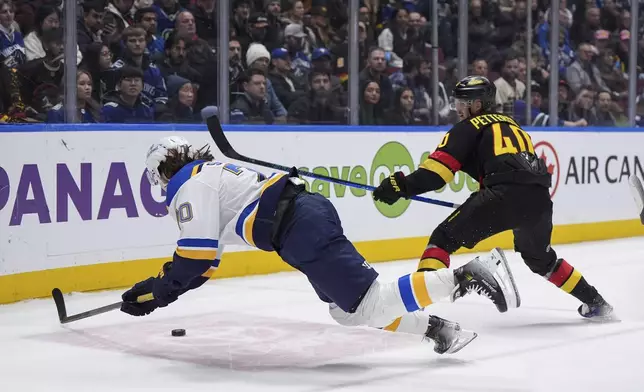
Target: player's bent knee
{"x":344,"y":318}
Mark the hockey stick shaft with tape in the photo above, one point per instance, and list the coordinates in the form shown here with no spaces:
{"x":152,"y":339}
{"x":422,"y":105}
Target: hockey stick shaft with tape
{"x":637,"y":191}
{"x":59,"y":300}
{"x":217,"y":134}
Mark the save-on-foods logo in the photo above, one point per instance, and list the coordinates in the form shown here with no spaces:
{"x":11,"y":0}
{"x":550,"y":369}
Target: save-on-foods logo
{"x":547,"y":152}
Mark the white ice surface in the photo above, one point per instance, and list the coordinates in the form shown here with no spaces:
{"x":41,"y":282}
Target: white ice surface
{"x":270,"y":333}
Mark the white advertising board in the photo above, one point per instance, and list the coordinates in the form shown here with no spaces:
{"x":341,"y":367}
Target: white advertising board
{"x":79,"y":198}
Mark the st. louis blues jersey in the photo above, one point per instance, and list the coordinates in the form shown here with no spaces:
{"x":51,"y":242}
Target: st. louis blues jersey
{"x":217,"y":203}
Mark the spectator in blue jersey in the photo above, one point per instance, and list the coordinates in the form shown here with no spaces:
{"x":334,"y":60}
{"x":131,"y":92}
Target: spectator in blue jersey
{"x":12,"y":45}
{"x":167,"y":12}
{"x":146,"y":18}
{"x":89,"y":25}
{"x":294,"y":40}
{"x":128,"y":104}
{"x":153,"y":84}
{"x":87,"y":108}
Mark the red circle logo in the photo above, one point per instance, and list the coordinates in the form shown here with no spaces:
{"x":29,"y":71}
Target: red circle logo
{"x":547,"y":152}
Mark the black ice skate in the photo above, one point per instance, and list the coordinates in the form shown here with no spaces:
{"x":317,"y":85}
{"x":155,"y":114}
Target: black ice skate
{"x":448,"y":336}
{"x":598,"y":310}
{"x":489,"y":276}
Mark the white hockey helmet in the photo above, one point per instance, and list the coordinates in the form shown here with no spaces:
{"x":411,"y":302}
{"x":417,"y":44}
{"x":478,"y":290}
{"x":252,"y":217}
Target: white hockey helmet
{"x":158,"y":152}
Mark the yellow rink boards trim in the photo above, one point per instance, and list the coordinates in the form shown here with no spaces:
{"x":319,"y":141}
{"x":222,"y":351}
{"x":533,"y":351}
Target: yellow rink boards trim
{"x":39,"y":284}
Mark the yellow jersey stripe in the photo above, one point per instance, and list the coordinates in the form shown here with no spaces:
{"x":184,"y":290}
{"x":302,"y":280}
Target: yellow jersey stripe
{"x":431,"y":263}
{"x":393,"y":326}
{"x":443,"y":171}
{"x":420,"y":289}
{"x":201,"y":254}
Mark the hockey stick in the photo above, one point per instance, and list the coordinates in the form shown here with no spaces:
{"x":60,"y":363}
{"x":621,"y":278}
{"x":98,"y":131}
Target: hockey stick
{"x":217,"y":134}
{"x":62,"y":309}
{"x":637,"y":191}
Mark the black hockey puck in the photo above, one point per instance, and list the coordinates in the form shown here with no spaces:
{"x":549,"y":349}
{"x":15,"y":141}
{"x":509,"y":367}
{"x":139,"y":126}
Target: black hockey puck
{"x":178,"y":332}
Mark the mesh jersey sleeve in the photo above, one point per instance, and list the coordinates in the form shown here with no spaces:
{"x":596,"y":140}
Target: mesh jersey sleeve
{"x":198,"y":252}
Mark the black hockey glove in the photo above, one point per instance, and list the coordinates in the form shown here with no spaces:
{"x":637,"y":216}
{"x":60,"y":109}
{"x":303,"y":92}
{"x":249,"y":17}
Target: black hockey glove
{"x":391,"y":189}
{"x":144,"y":297}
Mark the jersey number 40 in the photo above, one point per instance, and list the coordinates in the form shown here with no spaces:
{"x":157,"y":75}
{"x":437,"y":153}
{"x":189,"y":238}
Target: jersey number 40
{"x":503,"y":143}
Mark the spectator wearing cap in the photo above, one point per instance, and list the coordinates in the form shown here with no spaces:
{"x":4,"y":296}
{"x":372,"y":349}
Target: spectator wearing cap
{"x":258,"y":57}
{"x":375,"y":70}
{"x":127,"y":104}
{"x":320,"y":26}
{"x":583,"y":72}
{"x":167,"y":12}
{"x":294,"y":41}
{"x":205,"y":15}
{"x":239,"y":20}
{"x":146,"y":18}
{"x":255,"y":31}
{"x":288,"y":88}
{"x":320,"y":105}
{"x":251,"y":106}
{"x":623,"y":48}
{"x":322,"y":58}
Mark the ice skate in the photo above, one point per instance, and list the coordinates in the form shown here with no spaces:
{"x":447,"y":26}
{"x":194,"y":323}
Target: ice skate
{"x":489,"y":276}
{"x":448,"y":336}
{"x":598,"y":310}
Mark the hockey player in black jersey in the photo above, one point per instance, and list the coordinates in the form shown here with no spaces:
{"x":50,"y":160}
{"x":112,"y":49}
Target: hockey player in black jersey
{"x":514,"y":193}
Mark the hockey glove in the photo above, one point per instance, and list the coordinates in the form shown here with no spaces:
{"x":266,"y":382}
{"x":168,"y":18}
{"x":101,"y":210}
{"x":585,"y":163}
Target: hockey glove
{"x":391,"y":189}
{"x":152,"y":293}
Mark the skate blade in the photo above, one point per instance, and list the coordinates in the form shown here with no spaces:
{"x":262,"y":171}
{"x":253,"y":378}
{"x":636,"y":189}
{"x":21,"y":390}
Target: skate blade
{"x":511,"y":293}
{"x":463,"y":338}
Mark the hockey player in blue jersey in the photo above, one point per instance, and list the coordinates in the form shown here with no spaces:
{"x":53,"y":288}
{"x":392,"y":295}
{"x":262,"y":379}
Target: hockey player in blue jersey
{"x":217,"y":204}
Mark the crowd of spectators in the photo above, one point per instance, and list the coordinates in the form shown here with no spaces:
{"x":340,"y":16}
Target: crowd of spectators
{"x":156,"y":61}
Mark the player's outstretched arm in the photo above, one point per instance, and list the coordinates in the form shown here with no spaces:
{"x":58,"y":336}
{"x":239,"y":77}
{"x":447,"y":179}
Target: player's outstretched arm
{"x":438,"y":170}
{"x":195,"y":258}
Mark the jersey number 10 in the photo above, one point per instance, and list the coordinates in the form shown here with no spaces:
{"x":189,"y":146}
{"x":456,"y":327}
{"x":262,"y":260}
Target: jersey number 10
{"x":504,"y":144}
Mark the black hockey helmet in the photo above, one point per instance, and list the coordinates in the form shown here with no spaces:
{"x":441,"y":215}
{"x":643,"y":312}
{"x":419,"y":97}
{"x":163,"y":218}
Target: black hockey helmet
{"x":475,"y":87}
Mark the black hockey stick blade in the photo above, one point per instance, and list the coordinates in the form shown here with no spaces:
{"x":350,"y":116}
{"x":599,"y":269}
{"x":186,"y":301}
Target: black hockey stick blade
{"x":59,"y":300}
{"x":217,"y":134}
{"x":637,"y":191}
{"x":62,"y":310}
